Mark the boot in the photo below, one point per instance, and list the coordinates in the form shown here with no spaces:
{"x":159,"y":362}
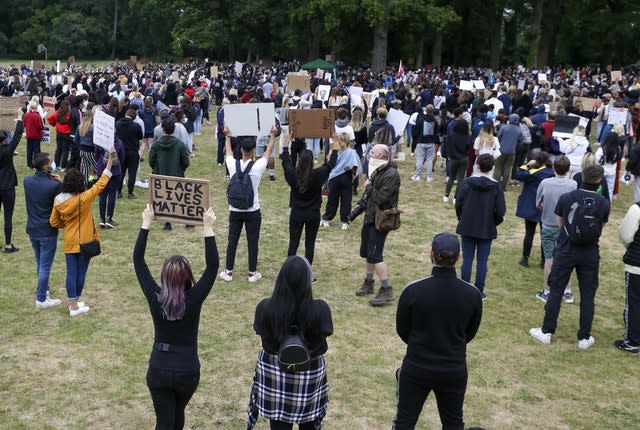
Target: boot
{"x":524,"y":262}
{"x":383,"y":296}
{"x":366,"y":288}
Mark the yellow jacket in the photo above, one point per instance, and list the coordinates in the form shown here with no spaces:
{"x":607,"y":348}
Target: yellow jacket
{"x":74,"y":213}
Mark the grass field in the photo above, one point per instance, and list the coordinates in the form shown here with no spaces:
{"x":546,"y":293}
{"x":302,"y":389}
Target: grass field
{"x":89,"y":372}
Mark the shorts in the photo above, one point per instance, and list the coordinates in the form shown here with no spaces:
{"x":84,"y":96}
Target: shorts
{"x":549,"y":237}
{"x":372,"y":243}
{"x":261,"y":145}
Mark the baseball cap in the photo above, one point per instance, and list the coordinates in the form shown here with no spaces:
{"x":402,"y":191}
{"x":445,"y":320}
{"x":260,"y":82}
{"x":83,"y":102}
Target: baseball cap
{"x":445,"y":245}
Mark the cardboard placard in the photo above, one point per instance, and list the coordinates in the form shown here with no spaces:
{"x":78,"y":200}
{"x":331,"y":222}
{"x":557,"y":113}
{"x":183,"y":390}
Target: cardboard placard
{"x":587,"y":103}
{"x":71,"y":60}
{"x":323,"y":92}
{"x":175,"y":77}
{"x":609,"y":67}
{"x":133,"y":59}
{"x":180,"y":200}
{"x":50,"y":102}
{"x":8,"y":111}
{"x":311,"y":122}
{"x":104,"y":130}
{"x":616,"y":75}
{"x":250,"y":119}
{"x":617,"y":116}
{"x":213,"y":71}
{"x":298,"y":82}
{"x":398,"y":120}
{"x":37,"y":65}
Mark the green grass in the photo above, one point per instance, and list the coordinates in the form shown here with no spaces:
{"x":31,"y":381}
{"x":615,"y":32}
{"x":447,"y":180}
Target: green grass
{"x":89,"y":372}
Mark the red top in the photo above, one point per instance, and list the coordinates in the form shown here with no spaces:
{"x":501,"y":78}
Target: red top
{"x":33,"y":125}
{"x":60,"y":128}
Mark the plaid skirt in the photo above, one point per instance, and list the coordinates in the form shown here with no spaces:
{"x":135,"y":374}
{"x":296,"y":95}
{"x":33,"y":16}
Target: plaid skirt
{"x":297,"y":397}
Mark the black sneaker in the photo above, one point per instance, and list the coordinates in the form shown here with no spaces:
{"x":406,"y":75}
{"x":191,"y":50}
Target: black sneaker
{"x":524,"y":262}
{"x":625,"y":346}
{"x":167,"y":226}
{"x":110,"y":223}
{"x":120,"y":194}
{"x":102,"y":224}
{"x":131,"y":196}
{"x":272,"y":178}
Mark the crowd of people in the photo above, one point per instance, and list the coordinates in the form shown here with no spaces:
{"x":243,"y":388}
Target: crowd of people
{"x":494,"y":138}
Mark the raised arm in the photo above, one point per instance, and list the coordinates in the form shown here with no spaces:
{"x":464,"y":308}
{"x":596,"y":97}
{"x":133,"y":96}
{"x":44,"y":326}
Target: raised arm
{"x":146,"y":281}
{"x":228,"y":151}
{"x":212,"y":260}
{"x":272,"y":141}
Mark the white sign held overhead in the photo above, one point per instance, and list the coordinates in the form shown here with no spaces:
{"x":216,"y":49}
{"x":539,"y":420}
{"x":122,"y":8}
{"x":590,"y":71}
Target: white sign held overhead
{"x":542,"y":77}
{"x":250,"y":119}
{"x":238,"y":68}
{"x":327,"y":76}
{"x":479,"y":85}
{"x":398,"y":120}
{"x":466,"y":85}
{"x":57,"y":66}
{"x":323,"y":92}
{"x":521,"y":83}
{"x":618,"y":116}
{"x":104,"y":130}
{"x":355,"y":93}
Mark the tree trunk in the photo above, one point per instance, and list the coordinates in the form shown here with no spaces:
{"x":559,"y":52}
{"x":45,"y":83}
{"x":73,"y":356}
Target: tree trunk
{"x":465,"y":44}
{"x":436,"y":50}
{"x":496,"y":36}
{"x":316,"y":39}
{"x":114,"y":36}
{"x":533,"y":36}
{"x":419,"y":58}
{"x":548,"y":44}
{"x":380,"y":40}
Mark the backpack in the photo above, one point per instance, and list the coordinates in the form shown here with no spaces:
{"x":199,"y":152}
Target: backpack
{"x":294,"y":356}
{"x":537,"y":136}
{"x":240,"y":188}
{"x":526,"y":134}
{"x":583,"y":224}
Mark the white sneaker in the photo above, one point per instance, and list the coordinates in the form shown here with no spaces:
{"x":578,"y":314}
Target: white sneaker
{"x":586,"y":343}
{"x":79,"y":311}
{"x":445,"y":199}
{"x":415,"y":178}
{"x":324,"y":223}
{"x":142,"y":184}
{"x":345,"y":226}
{"x":227,"y":275}
{"x":429,"y":179}
{"x":255,"y":277}
{"x":537,"y":334}
{"x":55,"y":301}
{"x":46,"y":303}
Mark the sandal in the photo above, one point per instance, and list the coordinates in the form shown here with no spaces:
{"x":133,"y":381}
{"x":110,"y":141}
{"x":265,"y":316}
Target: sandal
{"x":10,"y":249}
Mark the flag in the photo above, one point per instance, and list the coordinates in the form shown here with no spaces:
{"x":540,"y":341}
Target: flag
{"x":400,"y":70}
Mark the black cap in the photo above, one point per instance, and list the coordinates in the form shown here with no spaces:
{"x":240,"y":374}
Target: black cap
{"x":445,"y":245}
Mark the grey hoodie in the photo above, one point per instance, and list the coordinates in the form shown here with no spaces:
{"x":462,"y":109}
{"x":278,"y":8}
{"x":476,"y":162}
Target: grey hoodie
{"x":510,"y":135}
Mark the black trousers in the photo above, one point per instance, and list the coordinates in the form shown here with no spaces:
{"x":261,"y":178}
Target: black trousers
{"x":251,"y":221}
{"x":631,"y":312}
{"x":7,"y":203}
{"x":527,"y":242}
{"x":33,"y":148}
{"x":340,"y":191}
{"x":310,"y":221}
{"x":280,"y":425}
{"x":63,"y":146}
{"x":130,"y":166}
{"x":171,"y":392}
{"x":413,"y":391}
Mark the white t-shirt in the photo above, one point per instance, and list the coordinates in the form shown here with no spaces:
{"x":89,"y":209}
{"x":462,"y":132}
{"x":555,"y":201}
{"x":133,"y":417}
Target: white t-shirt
{"x":487,"y":150}
{"x":348,"y":130}
{"x":609,"y":168}
{"x":255,"y":174}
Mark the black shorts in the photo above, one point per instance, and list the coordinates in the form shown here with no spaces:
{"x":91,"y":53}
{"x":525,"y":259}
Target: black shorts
{"x":372,"y":243}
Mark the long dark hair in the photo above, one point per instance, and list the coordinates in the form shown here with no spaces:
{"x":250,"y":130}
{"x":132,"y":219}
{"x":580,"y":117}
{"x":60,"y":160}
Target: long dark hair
{"x":304,"y":168}
{"x":291,"y":302}
{"x":73,"y":182}
{"x":611,"y":148}
{"x":175,"y":279}
{"x":63,"y":112}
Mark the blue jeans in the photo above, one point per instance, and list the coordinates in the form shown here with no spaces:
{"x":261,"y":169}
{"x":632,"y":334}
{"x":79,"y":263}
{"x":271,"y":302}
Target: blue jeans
{"x":44,"y":249}
{"x":77,"y":267}
{"x":425,"y":152}
{"x":469,"y":247}
{"x":313,"y":145}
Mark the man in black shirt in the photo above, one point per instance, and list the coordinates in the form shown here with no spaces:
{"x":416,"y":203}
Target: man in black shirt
{"x":436,"y":317}
{"x":131,"y":134}
{"x":583,"y":256}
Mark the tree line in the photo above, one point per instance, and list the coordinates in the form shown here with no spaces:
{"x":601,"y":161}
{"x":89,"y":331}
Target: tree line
{"x":490,"y":33}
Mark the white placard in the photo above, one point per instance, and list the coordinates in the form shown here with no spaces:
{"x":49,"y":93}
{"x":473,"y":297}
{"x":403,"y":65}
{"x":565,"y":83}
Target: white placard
{"x":57,"y":66}
{"x":238,"y":68}
{"x":355,"y":94}
{"x":319,"y":73}
{"x":192,"y":75}
{"x":104,"y":130}
{"x":250,"y":119}
{"x":327,"y":76}
{"x":542,"y":77}
{"x":584,"y":122}
{"x":617,"y":116}
{"x":80,"y":87}
{"x":521,"y":83}
{"x":323,"y":92}
{"x":466,"y":85}
{"x":398,"y":120}
{"x":479,"y":85}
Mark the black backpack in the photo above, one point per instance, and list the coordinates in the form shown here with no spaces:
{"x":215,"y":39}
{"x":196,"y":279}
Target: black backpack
{"x":583,"y":224}
{"x":240,"y":189}
{"x":294,"y":356}
{"x":537,"y":136}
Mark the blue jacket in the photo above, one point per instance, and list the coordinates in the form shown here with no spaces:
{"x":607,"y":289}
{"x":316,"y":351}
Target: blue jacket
{"x":531,"y":178}
{"x":39,"y":192}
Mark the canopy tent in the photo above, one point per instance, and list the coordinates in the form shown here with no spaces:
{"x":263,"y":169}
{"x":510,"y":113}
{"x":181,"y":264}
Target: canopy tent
{"x":318,"y":64}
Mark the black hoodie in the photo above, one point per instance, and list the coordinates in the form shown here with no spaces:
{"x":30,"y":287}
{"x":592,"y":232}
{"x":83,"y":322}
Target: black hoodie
{"x":480,"y":207}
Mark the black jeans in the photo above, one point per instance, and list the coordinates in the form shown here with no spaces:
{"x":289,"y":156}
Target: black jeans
{"x":33,"y":148}
{"x":251,"y":221}
{"x":310,"y":220}
{"x":340,"y":191}
{"x":63,"y":146}
{"x":631,"y":314}
{"x":171,"y":392}
{"x":413,"y":391}
{"x":586,"y":261}
{"x":280,"y":425}
{"x":527,"y":242}
{"x":7,"y":203}
{"x":458,"y":168}
{"x":130,"y":166}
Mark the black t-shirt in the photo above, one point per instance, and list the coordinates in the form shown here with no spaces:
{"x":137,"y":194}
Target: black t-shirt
{"x":564,"y":207}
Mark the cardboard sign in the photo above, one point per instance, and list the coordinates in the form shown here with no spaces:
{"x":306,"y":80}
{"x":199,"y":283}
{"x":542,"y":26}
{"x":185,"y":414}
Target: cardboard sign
{"x":609,"y":67}
{"x":398,"y":120}
{"x":542,"y":77}
{"x":355,"y":95}
{"x":175,"y":77}
{"x":213,"y":71}
{"x":71,"y":60}
{"x":37,"y":65}
{"x":311,"y":122}
{"x":133,"y":59}
{"x":466,"y":85}
{"x":323,"y":92}
{"x":298,"y":82}
{"x":617,"y":116}
{"x":104,"y":130}
{"x":616,"y":75}
{"x":587,"y":103}
{"x":180,"y":200}
{"x":250,"y":119}
{"x":8,"y":112}
{"x":50,"y":102}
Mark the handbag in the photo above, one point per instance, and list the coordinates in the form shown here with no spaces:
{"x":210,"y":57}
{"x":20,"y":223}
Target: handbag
{"x":293,"y":355}
{"x":387,"y":219}
{"x":92,"y":248}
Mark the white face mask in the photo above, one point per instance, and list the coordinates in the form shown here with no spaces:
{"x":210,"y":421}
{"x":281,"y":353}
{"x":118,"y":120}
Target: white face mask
{"x":375,"y":164}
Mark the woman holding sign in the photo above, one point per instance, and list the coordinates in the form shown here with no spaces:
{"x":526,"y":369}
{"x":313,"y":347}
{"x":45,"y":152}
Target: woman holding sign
{"x":174,"y":368}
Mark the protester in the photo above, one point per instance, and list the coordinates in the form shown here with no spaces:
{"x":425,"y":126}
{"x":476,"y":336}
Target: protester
{"x":148,"y":115}
{"x":72,"y":211}
{"x":251,"y":217}
{"x":9,"y":180}
{"x":574,"y":148}
{"x":292,"y":397}
{"x":629,"y":235}
{"x":509,"y":136}
{"x":84,"y":139}
{"x":130,"y":133}
{"x":60,"y":120}
{"x":382,"y":190}
{"x":457,"y":152}
{"x":108,"y":196}
{"x":436,"y":317}
{"x":425,"y":137}
{"x":608,"y":155}
{"x":480,"y":208}
{"x":174,"y":368}
{"x":582,"y":215}
{"x":33,"y":126}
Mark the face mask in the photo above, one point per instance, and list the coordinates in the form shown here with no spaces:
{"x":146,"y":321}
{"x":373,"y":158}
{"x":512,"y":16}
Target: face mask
{"x":375,"y":164}
{"x":184,"y":120}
